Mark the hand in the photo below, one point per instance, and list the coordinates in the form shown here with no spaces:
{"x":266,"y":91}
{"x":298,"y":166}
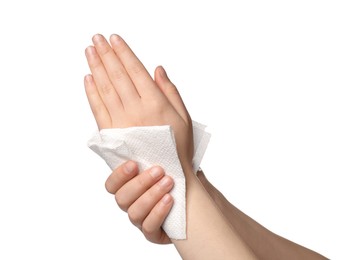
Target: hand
{"x":145,"y":197}
{"x":121,"y":94}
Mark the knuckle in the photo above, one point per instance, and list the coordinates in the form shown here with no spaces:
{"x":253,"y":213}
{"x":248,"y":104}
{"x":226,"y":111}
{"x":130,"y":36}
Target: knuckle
{"x":172,"y":89}
{"x":95,"y":64}
{"x":142,"y":181}
{"x":122,"y":203}
{"x":118,"y":74}
{"x":147,"y":231}
{"x":135,"y":69}
{"x":154,"y":193}
{"x":158,"y":213}
{"x":106,"y":89}
{"x":105,"y":50}
{"x":134,"y":217}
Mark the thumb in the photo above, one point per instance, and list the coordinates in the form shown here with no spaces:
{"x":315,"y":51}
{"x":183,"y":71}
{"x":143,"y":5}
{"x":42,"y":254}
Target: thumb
{"x":170,"y":91}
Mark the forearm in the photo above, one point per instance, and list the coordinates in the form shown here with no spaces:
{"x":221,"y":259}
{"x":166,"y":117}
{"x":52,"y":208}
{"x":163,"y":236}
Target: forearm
{"x":264,"y":243}
{"x":209,"y":235}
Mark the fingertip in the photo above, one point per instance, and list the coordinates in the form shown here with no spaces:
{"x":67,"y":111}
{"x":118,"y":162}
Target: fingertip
{"x":115,"y":38}
{"x":97,"y":38}
{"x":90,"y":50}
{"x":151,"y":227}
{"x":130,"y":167}
{"x":90,"y":89}
{"x":88,"y":78}
{"x":156,"y":172}
{"x":120,"y":176}
{"x":161,"y":74}
{"x":93,"y":36}
{"x":167,"y":199}
{"x":109,"y":188}
{"x":161,"y":78}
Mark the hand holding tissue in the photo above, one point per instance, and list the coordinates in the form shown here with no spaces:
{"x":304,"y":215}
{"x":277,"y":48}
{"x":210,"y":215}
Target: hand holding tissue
{"x":142,"y":119}
{"x":151,"y":146}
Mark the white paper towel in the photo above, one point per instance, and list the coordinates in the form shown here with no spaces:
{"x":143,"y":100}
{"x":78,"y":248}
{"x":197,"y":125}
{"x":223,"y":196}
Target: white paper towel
{"x":150,"y":146}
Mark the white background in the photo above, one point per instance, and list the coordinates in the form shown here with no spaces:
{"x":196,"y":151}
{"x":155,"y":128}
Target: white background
{"x":269,"y":78}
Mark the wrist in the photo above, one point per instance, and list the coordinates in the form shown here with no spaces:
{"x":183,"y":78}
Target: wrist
{"x":187,"y":169}
{"x":215,"y":194}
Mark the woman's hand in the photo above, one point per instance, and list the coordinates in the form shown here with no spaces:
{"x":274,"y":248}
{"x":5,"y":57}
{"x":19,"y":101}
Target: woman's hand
{"x":122,"y":94}
{"x":145,"y":197}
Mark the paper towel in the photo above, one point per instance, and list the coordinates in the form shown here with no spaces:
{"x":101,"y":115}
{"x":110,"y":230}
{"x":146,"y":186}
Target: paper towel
{"x":150,"y":146}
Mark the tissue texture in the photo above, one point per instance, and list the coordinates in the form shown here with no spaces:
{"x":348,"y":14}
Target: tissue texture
{"x":149,"y":146}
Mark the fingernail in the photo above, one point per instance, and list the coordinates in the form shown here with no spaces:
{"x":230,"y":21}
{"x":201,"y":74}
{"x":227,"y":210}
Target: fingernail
{"x":97,"y":38}
{"x":165,"y":182}
{"x":166,"y":199}
{"x":90,"y":51}
{"x":88,"y":78}
{"x":163,"y":73}
{"x":155,"y":172}
{"x":115,"y":38}
{"x":129,"y":167}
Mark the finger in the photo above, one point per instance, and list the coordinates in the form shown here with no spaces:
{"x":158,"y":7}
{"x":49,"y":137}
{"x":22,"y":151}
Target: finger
{"x":120,"y":176}
{"x":170,"y":91}
{"x":97,"y":106}
{"x":132,"y":190}
{"x":139,"y":210}
{"x":151,"y":226}
{"x":137,"y":72}
{"x":105,"y":88}
{"x":115,"y":70}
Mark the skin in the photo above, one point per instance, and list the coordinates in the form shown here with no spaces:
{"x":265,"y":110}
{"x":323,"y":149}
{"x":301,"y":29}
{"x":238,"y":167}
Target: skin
{"x":121,"y":93}
{"x":133,"y":191}
{"x":264,"y":243}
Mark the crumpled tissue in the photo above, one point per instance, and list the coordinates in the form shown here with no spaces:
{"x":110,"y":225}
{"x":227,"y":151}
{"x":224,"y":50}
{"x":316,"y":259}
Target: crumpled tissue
{"x":150,"y":146}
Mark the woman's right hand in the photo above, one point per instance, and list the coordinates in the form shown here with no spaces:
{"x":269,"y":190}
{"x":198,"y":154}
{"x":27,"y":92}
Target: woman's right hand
{"x":145,"y":197}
